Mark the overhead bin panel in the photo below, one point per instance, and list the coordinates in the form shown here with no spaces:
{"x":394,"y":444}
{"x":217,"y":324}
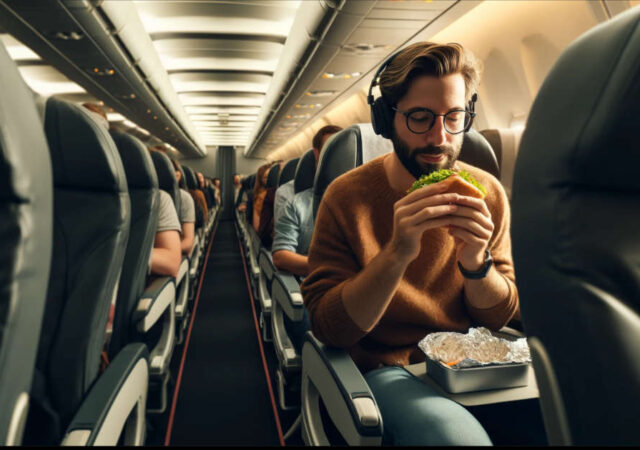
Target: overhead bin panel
{"x":219,"y":81}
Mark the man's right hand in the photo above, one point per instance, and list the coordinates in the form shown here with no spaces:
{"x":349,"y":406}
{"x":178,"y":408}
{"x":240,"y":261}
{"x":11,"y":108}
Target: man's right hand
{"x":419,"y":211}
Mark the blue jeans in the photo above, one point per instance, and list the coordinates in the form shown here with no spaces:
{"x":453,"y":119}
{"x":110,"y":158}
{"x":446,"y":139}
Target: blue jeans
{"x":414,"y":414}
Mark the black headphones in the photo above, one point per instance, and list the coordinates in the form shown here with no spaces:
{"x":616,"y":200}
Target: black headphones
{"x":381,"y":112}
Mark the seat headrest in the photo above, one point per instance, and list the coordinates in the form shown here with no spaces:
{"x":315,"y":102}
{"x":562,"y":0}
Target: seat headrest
{"x":584,"y":128}
{"x":166,"y":176}
{"x":190,"y":178}
{"x":346,"y":150}
{"x":288,"y":171}
{"x":138,"y":166}
{"x":83,"y":155}
{"x":272,"y":178}
{"x":477,"y":151}
{"x":305,"y":171}
{"x":247,"y":182}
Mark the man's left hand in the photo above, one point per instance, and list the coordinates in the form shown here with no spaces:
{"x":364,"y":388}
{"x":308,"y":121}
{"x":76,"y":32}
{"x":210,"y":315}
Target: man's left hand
{"x":471,"y":224}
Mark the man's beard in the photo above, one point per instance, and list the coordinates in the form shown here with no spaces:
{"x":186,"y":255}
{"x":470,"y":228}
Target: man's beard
{"x":409,"y":158}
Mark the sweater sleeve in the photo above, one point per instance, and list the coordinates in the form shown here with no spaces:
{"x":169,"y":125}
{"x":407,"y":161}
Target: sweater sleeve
{"x":500,"y":247}
{"x":331,"y":264}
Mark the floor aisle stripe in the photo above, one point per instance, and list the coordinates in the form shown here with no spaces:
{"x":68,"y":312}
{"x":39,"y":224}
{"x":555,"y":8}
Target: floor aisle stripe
{"x":259,"y":335}
{"x":186,"y":343}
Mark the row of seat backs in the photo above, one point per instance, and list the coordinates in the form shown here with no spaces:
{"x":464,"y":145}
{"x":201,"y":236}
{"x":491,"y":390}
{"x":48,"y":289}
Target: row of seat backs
{"x":26,"y":230}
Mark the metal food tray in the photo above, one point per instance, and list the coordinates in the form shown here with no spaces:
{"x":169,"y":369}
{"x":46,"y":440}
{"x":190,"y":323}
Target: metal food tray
{"x":481,"y":378}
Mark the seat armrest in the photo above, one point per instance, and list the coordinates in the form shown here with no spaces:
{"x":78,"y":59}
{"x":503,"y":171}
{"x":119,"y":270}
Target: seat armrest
{"x":329,"y":373}
{"x":105,"y":411}
{"x":156,"y":298}
{"x":184,"y":268}
{"x":509,"y":332}
{"x":285,"y":290}
{"x":265,"y":261}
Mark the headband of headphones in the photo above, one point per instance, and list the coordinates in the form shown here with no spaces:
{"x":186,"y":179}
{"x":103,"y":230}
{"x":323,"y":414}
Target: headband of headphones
{"x":374,"y":82}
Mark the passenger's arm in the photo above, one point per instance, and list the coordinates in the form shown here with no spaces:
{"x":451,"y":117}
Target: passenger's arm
{"x":291,"y":262}
{"x":186,"y":241}
{"x":166,"y":255}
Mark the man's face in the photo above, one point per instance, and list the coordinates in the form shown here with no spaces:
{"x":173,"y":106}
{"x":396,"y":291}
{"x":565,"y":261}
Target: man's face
{"x":217,"y":183}
{"x":436,"y":149}
{"x":236,"y":180}
{"x":178,"y":175}
{"x":200,"y":179}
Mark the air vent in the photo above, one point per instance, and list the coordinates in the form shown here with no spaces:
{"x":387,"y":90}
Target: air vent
{"x":364,"y":48}
{"x":67,"y":35}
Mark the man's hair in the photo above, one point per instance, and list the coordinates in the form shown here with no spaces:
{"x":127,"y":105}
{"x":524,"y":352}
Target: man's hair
{"x":96,"y":109}
{"x":322,"y":132}
{"x":431,"y":59}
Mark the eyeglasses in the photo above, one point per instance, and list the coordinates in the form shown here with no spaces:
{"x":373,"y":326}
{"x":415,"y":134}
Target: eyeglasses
{"x":421,"y":120}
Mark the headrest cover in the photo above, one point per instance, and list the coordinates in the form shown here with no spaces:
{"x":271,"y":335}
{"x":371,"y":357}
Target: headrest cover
{"x":288,"y":171}
{"x":138,"y":166}
{"x":584,"y":127}
{"x":83,"y":155}
{"x":272,"y":178}
{"x":305,"y":171}
{"x":477,"y":151}
{"x":165,"y":172}
{"x":190,"y":178}
{"x":247,"y":182}
{"x":371,"y":144}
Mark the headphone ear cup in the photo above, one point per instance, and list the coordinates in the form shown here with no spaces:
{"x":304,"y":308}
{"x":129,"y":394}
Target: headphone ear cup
{"x":381,"y":118}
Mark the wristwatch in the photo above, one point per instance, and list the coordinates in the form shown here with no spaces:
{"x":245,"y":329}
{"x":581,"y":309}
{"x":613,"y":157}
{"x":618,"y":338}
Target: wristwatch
{"x":481,"y":272}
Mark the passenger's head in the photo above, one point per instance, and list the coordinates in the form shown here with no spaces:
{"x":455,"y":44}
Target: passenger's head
{"x":200,"y":180}
{"x":216,"y":182}
{"x":176,"y":168}
{"x":261,"y":177}
{"x":237,"y":181}
{"x":422,"y":80}
{"x":321,"y":137}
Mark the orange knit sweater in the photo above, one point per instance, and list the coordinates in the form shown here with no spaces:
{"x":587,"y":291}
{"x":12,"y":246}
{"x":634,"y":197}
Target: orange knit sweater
{"x":354,"y":222}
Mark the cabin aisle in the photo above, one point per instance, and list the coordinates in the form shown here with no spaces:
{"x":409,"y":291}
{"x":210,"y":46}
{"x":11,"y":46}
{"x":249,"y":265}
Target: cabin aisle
{"x":223,"y":397}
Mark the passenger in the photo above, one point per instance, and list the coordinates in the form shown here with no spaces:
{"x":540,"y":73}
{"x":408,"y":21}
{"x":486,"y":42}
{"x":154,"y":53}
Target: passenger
{"x":294,"y":217}
{"x":98,"y":114}
{"x":385,"y":269}
{"x":198,"y":196}
{"x":239,"y":195}
{"x":259,"y":193}
{"x":216,"y":183}
{"x":265,"y":228}
{"x":200,"y":203}
{"x":187,"y":214}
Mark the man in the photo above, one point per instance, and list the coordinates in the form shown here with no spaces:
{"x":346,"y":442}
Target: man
{"x":239,"y":196}
{"x":187,"y":213}
{"x":293,"y":216}
{"x":388,"y":268}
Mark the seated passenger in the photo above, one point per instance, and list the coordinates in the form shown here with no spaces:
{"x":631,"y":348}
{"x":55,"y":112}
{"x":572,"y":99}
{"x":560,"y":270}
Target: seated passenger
{"x":187,"y":214}
{"x":216,"y":186}
{"x":166,"y":253}
{"x":201,"y":202}
{"x":265,"y":228}
{"x":294,"y":218}
{"x":387,"y":268}
{"x":259,"y":193}
{"x":239,"y":195}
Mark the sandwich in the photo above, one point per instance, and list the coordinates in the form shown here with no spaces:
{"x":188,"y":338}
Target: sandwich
{"x":460,"y":182}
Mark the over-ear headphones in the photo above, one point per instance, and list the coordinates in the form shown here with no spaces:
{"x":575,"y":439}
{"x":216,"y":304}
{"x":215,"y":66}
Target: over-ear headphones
{"x":381,"y":112}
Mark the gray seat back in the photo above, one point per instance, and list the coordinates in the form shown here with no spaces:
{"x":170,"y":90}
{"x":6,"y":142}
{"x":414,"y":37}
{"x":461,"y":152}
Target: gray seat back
{"x":272,"y":178}
{"x":191,"y":178}
{"x":576,"y":248}
{"x":144,"y":197}
{"x":166,"y":177}
{"x":90,"y":232}
{"x":288,"y":171}
{"x":26,"y":231}
{"x":477,"y":151}
{"x":305,"y":171}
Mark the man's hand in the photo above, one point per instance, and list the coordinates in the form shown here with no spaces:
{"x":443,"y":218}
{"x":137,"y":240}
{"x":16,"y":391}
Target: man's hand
{"x":242,"y":207}
{"x":423,"y":209}
{"x":472,"y":227}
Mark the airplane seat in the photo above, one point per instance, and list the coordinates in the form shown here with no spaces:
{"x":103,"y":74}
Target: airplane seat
{"x":26,"y":233}
{"x":288,"y":171}
{"x":73,"y":402}
{"x":287,"y":311}
{"x":575,"y":241}
{"x":477,"y":151}
{"x":196,"y":251}
{"x":505,"y":142}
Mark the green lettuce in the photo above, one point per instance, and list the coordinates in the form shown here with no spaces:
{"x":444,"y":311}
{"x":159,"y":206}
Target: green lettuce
{"x":443,"y":174}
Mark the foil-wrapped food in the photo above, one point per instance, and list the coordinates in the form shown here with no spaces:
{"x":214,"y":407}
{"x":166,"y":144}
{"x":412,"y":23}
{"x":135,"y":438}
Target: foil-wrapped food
{"x":476,"y":348}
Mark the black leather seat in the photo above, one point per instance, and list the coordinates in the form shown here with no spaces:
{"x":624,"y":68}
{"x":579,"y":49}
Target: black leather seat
{"x":576,"y":247}
{"x":477,"y":151}
{"x":166,"y":176}
{"x":305,"y":172}
{"x":91,"y":228}
{"x":288,"y":171}
{"x":272,"y":178}
{"x":26,"y":234}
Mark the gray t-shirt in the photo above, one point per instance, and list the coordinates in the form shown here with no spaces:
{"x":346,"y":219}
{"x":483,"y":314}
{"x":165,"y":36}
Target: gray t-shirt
{"x":187,"y":207}
{"x":167,"y":215}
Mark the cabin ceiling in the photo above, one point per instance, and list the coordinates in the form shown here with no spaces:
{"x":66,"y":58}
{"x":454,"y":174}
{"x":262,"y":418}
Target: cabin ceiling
{"x":220,"y":59}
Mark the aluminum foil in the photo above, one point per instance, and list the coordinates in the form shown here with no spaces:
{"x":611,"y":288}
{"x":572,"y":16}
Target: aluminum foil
{"x":476,"y":348}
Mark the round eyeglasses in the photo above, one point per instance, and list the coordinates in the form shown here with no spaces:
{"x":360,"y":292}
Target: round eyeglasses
{"x":421,"y":120}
